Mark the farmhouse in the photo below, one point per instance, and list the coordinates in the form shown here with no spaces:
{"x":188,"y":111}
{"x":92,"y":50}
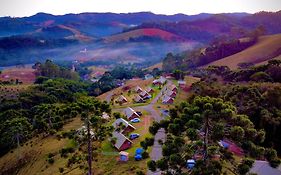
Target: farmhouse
{"x":167,"y":100}
{"x":121,"y":99}
{"x":138,"y":89}
{"x":123,"y":126}
{"x":145,"y":95}
{"x":122,"y":142}
{"x":138,"y":99}
{"x":130,"y":113}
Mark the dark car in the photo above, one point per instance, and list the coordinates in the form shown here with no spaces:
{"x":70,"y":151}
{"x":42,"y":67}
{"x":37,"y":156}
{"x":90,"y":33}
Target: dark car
{"x":134,"y":136}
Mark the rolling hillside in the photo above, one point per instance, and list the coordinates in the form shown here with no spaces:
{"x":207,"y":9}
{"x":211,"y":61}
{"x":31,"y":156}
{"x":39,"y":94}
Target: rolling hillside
{"x":141,"y":33}
{"x":266,"y":48}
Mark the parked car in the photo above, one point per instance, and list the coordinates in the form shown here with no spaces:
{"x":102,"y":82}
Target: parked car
{"x":135,"y":120}
{"x":134,"y":136}
{"x":139,"y":113}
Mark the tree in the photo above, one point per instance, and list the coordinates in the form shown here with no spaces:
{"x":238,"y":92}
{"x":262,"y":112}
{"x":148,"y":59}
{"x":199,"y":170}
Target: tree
{"x":14,"y":132}
{"x":237,"y":133}
{"x":151,"y":165}
{"x":93,"y":110}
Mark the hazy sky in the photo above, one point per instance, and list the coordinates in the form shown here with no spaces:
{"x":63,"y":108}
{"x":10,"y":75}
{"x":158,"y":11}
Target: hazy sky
{"x":59,"y":7}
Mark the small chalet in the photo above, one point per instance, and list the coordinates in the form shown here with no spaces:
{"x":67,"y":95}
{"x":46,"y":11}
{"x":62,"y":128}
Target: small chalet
{"x":173,"y":87}
{"x":181,"y":83}
{"x":130,"y":113}
{"x":138,"y":99}
{"x":149,"y":90}
{"x":170,"y":93}
{"x":145,"y":95}
{"x":121,"y":99}
{"x":167,"y":100}
{"x":122,"y":142}
{"x":138,"y":89}
{"x":123,"y":126}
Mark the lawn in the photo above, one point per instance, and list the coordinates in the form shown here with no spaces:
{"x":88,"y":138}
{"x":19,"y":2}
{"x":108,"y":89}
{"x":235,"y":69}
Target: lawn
{"x":31,"y":157}
{"x":25,"y":74}
{"x":106,"y":161}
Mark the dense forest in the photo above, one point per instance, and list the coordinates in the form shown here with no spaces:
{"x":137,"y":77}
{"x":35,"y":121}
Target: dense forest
{"x":242,"y":106}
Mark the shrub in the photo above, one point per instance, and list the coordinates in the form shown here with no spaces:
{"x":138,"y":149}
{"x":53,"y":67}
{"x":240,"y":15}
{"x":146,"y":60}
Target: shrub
{"x":145,"y":155}
{"x":61,"y":170}
{"x":50,"y":160}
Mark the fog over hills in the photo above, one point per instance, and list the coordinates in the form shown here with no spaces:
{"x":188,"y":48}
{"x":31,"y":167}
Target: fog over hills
{"x":128,"y":37}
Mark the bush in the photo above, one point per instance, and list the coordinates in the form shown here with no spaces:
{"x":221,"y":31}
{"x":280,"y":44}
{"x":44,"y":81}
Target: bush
{"x":61,"y":170}
{"x":149,"y":141}
{"x":140,"y":173}
{"x":275,"y":163}
{"x":145,"y":155}
{"x":243,"y":169}
{"x":151,"y":164}
{"x":50,"y":155}
{"x":50,"y":160}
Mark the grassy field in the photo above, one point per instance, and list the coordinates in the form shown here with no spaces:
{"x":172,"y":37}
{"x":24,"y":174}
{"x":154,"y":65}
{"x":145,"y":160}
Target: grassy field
{"x":31,"y":157}
{"x":266,"y":48}
{"x":97,"y":70}
{"x":143,"y":32}
{"x":25,"y":74}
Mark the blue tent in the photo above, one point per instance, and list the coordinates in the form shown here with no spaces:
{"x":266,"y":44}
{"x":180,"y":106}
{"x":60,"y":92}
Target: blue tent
{"x":139,"y":151}
{"x":224,"y":144}
{"x":138,"y":157}
{"x":190,"y":163}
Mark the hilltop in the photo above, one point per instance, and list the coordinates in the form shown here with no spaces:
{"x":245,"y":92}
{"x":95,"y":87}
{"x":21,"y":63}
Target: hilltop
{"x":266,"y":48}
{"x":144,"y":34}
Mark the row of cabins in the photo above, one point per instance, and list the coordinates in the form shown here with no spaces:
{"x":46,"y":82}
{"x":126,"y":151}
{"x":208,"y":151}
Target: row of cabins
{"x":140,"y":97}
{"x":123,"y":127}
{"x":142,"y":94}
{"x":169,"y":94}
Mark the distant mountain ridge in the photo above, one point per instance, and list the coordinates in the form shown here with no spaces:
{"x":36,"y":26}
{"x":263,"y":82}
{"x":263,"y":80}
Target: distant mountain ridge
{"x":112,"y":21}
{"x":139,"y":36}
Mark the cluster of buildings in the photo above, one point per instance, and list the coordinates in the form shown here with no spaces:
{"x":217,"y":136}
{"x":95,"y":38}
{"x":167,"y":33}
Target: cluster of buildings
{"x":169,"y":94}
{"x":122,"y":128}
{"x":142,"y":95}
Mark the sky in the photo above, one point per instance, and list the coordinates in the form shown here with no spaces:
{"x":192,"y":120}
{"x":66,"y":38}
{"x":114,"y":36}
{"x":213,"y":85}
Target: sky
{"x":19,"y":8}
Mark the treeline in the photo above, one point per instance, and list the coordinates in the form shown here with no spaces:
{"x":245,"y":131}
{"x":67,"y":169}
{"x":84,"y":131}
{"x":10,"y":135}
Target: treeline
{"x":51,"y":70}
{"x":114,"y":78}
